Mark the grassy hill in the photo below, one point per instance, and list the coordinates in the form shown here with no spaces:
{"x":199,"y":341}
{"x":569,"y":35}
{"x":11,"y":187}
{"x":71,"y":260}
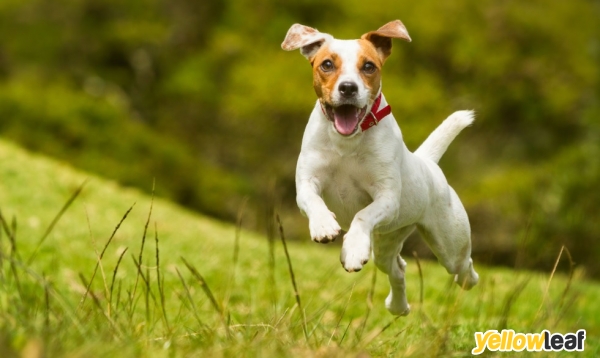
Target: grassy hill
{"x":219,"y":291}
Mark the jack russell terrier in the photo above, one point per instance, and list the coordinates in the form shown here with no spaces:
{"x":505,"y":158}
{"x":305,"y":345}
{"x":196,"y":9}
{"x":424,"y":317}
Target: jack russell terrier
{"x":355,"y":172}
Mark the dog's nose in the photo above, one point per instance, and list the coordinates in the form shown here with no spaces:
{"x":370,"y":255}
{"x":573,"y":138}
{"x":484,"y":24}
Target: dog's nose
{"x":348,"y":89}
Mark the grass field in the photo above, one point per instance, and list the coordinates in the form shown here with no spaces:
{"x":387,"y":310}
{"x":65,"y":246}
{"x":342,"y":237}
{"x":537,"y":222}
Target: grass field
{"x":170,"y":282}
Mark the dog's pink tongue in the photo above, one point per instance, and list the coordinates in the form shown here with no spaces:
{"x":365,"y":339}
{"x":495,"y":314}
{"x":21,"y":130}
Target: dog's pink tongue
{"x":345,"y":119}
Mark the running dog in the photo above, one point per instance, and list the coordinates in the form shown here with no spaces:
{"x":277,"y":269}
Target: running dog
{"x":355,"y":172}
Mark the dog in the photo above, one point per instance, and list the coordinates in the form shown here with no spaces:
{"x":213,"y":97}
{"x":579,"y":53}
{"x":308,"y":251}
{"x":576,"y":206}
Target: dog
{"x":355,"y":173}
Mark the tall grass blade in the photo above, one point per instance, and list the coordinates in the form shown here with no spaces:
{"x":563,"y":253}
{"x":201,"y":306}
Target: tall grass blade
{"x":46,"y":307}
{"x":342,"y":315}
{"x":236,"y":251}
{"x":161,"y":291}
{"x":209,"y":294}
{"x":112,"y":283}
{"x":13,"y":238}
{"x":539,"y":316}
{"x":116,"y":330}
{"x":293,"y":278}
{"x":376,"y":333}
{"x":189,"y":297}
{"x":421,"y":285}
{"x":146,"y":280}
{"x":270,"y":224}
{"x":56,"y":219}
{"x":360,"y":332}
{"x":545,"y":295}
{"x":570,"y":280}
{"x":11,"y":233}
{"x":82,"y":301}
{"x":147,"y":300}
{"x":137,"y":278}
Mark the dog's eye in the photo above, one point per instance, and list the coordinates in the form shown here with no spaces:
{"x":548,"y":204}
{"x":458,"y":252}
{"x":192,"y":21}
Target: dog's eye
{"x":369,"y":67}
{"x":327,"y":66}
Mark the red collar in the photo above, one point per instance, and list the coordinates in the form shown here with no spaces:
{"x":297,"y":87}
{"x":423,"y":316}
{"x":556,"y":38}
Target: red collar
{"x":375,"y":115}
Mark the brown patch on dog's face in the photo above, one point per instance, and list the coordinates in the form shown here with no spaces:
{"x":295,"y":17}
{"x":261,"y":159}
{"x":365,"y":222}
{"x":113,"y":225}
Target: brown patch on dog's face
{"x":327,"y":67}
{"x":369,"y":66}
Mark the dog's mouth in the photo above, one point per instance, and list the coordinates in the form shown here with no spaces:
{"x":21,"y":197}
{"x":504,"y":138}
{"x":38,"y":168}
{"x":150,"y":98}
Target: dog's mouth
{"x":346,"y":118}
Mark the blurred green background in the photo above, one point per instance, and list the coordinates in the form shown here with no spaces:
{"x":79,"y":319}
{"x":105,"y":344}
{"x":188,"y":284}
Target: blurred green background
{"x":199,"y":96}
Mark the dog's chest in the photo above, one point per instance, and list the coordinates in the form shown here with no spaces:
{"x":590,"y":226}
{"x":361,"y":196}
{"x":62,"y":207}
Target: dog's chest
{"x":347,"y":182}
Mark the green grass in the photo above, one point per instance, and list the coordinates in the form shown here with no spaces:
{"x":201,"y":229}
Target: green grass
{"x":219,"y":298}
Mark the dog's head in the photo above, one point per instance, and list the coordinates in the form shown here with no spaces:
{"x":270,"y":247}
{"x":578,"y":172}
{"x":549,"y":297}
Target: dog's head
{"x":346,"y":73}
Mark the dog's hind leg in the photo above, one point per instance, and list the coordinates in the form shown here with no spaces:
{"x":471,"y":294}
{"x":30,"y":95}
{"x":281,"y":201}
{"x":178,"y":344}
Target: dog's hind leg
{"x":386,"y":250}
{"x":445,"y":228}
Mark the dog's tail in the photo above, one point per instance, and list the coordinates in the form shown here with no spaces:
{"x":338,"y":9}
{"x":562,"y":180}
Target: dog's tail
{"x":438,"y":141}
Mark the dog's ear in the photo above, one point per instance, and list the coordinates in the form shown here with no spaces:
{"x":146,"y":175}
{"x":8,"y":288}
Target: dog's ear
{"x":305,"y":38}
{"x":382,"y":38}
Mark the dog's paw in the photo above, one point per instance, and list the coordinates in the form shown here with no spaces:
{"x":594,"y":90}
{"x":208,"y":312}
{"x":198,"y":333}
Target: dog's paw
{"x":468,"y":278}
{"x":356,"y":251}
{"x":324,"y":228}
{"x":397,"y":306}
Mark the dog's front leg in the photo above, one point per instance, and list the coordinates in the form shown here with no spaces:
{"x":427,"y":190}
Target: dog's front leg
{"x":321,"y":221}
{"x":356,"y":249}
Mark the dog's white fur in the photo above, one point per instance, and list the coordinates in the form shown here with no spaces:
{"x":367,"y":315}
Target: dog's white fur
{"x":371,"y":185}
